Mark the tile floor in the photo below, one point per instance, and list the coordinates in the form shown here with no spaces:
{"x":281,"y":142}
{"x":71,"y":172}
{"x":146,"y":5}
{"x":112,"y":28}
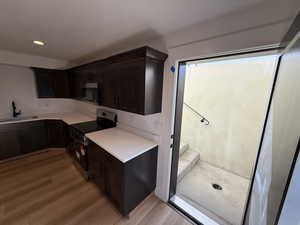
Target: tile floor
{"x":225,"y":206}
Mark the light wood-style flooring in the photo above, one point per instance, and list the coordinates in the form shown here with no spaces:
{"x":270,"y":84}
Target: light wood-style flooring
{"x":46,"y":189}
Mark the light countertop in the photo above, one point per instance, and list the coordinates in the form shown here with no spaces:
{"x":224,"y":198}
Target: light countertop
{"x":120,"y":143}
{"x":69,"y":118}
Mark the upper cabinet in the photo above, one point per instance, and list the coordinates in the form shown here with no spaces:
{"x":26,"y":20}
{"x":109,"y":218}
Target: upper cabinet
{"x":133,"y":81}
{"x":124,"y":86}
{"x":130,"y":81}
{"x":52,"y":83}
{"x":85,"y":81}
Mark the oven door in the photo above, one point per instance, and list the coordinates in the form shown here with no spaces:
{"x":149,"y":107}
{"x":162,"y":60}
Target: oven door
{"x":78,"y":152}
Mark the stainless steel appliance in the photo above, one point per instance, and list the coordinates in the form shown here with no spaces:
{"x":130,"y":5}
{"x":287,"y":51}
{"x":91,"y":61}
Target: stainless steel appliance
{"x":90,"y":92}
{"x":77,"y":147}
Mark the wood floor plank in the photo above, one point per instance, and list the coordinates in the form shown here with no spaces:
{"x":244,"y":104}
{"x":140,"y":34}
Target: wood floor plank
{"x":141,"y":211}
{"x":102,"y":212}
{"x":28,"y":168}
{"x":41,"y":194}
{"x":9,"y":183}
{"x":12,"y":191}
{"x":157,"y":215}
{"x":18,"y":163}
{"x":60,"y":211}
{"x":46,"y":189}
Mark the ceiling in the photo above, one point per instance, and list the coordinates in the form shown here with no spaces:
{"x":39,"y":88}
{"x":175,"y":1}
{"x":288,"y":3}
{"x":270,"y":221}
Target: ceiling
{"x":75,"y":28}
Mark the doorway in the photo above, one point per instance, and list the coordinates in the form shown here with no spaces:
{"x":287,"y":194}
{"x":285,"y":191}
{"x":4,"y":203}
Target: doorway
{"x":221,"y":109}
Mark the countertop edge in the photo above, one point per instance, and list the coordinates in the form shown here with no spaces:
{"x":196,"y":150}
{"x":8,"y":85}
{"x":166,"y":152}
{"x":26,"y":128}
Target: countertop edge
{"x":48,"y":117}
{"x":127,"y":159}
{"x":123,"y":160}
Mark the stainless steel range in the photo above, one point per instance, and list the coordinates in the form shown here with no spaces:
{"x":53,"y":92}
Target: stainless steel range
{"x":77,"y":147}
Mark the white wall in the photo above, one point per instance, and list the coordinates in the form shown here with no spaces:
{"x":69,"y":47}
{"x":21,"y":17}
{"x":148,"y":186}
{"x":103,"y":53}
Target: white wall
{"x":233,"y":95}
{"x":18,"y":84}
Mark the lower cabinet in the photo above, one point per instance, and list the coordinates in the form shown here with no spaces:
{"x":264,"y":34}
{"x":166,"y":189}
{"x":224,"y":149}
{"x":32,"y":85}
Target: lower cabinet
{"x":32,"y":136}
{"x":21,"y":138}
{"x":126,"y":184}
{"x":9,"y":144}
{"x":114,"y":174}
{"x":25,"y":137}
{"x":96,"y":168}
{"x":57,"y":134}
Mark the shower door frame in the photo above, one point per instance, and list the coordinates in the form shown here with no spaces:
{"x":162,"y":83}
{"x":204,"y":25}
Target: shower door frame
{"x":179,"y":94}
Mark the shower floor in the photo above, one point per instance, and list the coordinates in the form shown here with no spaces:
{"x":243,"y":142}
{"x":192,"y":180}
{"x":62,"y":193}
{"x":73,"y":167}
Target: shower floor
{"x":225,"y":206}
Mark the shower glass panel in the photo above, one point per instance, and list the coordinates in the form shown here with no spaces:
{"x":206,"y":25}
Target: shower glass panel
{"x":222,"y":113}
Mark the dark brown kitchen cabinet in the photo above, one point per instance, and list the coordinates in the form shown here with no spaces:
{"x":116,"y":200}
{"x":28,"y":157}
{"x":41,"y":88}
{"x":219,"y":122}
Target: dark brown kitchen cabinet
{"x":26,"y":137}
{"x":97,"y":166}
{"x":21,"y":138}
{"x":110,"y":90}
{"x":9,"y":144}
{"x":52,"y":83}
{"x":57,"y":134}
{"x":113,"y":173}
{"x":126,"y":184}
{"x":131,"y":81}
{"x":78,"y":79}
{"x":124,"y":86}
{"x":32,"y":136}
{"x":134,"y":83}
{"x":81,"y":76}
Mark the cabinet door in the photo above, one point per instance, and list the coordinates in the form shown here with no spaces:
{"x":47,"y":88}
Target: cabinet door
{"x":124,"y":86}
{"x":52,"y":83}
{"x":110,"y":90}
{"x":78,"y":80}
{"x":9,"y":144}
{"x":131,"y":86}
{"x":114,"y":180}
{"x":45,"y":84}
{"x":61,"y":85}
{"x":56,"y":134}
{"x":75,"y":86}
{"x":96,"y":167}
{"x":32,"y":136}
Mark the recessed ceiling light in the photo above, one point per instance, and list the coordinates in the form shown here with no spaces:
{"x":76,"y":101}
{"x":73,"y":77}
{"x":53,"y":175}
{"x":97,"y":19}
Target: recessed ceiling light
{"x":39,"y":43}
